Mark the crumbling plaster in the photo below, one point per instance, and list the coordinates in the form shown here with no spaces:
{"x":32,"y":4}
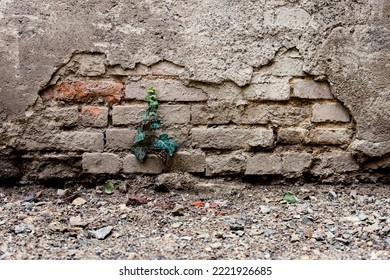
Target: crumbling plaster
{"x":344,"y":41}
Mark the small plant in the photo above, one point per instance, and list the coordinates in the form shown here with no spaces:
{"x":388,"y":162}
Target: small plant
{"x":146,"y":140}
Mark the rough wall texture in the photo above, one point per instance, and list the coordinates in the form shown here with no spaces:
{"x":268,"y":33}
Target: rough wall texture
{"x":288,"y":87}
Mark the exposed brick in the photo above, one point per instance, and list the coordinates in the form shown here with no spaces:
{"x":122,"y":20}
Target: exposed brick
{"x":129,"y":114}
{"x":291,"y":135}
{"x":111,"y":92}
{"x":165,"y":68}
{"x":227,"y":91}
{"x":181,"y":134}
{"x":139,"y":70}
{"x":286,"y":164}
{"x":286,"y":65}
{"x":99,"y":163}
{"x":187,"y":161}
{"x":91,"y":64}
{"x":152,"y":165}
{"x":66,"y":141}
{"x":167,"y":90}
{"x":175,"y":114}
{"x":120,"y":138}
{"x":275,"y":114}
{"x":213,"y":114}
{"x":94,"y":116}
{"x":226,"y":138}
{"x":329,"y":112}
{"x":331,"y":136}
{"x":79,"y":141}
{"x":272,"y":89}
{"x":63,"y":116}
{"x":310,"y":89}
{"x":335,"y":163}
{"x":225,"y":164}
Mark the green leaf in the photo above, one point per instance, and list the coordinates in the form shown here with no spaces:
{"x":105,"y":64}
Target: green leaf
{"x":290,"y":198}
{"x":151,"y":98}
{"x":140,"y":152}
{"x":151,"y":90}
{"x":145,"y":116}
{"x":108,"y":187}
{"x":153,"y":104}
{"x":155,"y":125}
{"x":141,"y":135}
{"x":166,"y":144}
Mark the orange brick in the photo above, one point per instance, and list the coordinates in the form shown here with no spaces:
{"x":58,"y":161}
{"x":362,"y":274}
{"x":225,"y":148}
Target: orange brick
{"x":111,"y":92}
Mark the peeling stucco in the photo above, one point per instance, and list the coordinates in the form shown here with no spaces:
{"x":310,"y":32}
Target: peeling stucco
{"x":345,"y":42}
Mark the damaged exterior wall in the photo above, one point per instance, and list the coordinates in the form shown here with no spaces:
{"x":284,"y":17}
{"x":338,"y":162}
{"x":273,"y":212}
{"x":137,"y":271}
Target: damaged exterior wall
{"x":292,"y":88}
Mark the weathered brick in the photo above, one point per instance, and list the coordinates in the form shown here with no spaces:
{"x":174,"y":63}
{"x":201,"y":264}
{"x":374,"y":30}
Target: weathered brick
{"x":225,"y":164}
{"x":329,"y":112}
{"x":270,"y":89}
{"x":119,"y":138}
{"x":66,"y":141}
{"x":166,"y":68}
{"x":187,"y":161}
{"x":283,"y":164}
{"x":139,"y":70}
{"x":100,"y":163}
{"x":275,"y":114}
{"x":152,"y":165}
{"x":167,"y":90}
{"x":175,"y":114}
{"x":129,"y":114}
{"x":79,"y":141}
{"x":330,"y":136}
{"x":227,"y":91}
{"x":213,"y":114}
{"x":91,"y":64}
{"x":181,"y":134}
{"x":335,"y":163}
{"x":111,"y":92}
{"x":291,"y":135}
{"x":62,"y":116}
{"x":310,"y":89}
{"x":288,"y":64}
{"x":94,"y":116}
{"x":227,"y":138}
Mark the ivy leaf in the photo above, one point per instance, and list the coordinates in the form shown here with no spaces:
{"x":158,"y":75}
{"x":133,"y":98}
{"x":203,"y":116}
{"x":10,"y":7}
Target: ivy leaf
{"x":108,"y":187}
{"x":151,"y":90}
{"x":140,"y":152}
{"x":290,"y":198}
{"x":166,"y":144}
{"x":155,"y":126}
{"x":145,"y":116}
{"x":153,"y":104}
{"x":141,"y":135}
{"x":151,"y":98}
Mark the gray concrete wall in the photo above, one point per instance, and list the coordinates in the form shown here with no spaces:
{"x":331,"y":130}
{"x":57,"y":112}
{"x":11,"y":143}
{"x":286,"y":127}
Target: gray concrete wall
{"x":241,"y":54}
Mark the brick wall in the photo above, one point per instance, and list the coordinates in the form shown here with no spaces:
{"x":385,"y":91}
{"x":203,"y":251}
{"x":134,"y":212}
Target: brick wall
{"x":282,"y":123}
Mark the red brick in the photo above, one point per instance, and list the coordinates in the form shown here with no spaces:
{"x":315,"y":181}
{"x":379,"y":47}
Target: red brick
{"x":111,"y":92}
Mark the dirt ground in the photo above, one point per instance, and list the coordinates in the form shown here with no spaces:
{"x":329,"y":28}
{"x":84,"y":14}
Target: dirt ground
{"x":194,"y":218}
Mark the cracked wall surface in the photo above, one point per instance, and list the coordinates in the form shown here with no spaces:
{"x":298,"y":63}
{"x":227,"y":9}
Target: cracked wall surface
{"x":240,"y":54}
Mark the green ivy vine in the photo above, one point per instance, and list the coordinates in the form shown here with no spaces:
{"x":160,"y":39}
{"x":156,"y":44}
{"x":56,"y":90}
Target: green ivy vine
{"x":147,"y":139}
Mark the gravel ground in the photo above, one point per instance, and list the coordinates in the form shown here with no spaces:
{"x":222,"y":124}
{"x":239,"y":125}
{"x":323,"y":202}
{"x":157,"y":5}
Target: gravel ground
{"x":195,"y":219}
